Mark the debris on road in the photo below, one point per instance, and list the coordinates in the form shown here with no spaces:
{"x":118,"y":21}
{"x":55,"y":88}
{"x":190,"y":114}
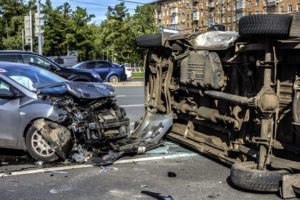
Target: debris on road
{"x":103,"y":170}
{"x":172,"y":174}
{"x":39,"y":163}
{"x":157,"y":196}
{"x":53,"y":191}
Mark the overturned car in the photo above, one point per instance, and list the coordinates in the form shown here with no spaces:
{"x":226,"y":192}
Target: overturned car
{"x":234,"y":96}
{"x":50,"y":117}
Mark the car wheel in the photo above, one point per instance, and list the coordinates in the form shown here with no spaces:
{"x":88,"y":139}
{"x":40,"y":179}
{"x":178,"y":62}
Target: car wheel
{"x":265,"y":25}
{"x":245,"y":175}
{"x":38,"y":147}
{"x":113,"y":78}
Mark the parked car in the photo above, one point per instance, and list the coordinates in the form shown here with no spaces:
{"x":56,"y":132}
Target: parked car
{"x":37,"y":60}
{"x":47,"y":115}
{"x":108,"y":71}
{"x":234,"y":96}
{"x":128,"y":70}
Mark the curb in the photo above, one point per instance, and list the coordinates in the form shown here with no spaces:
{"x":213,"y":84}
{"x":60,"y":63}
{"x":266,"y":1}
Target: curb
{"x":122,"y":84}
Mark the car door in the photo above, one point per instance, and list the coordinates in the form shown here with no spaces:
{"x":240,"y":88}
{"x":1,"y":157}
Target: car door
{"x":9,"y":117}
{"x":103,"y":69}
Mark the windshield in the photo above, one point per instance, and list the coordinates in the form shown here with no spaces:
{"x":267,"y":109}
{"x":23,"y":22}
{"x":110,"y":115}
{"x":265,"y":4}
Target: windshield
{"x":30,"y":77}
{"x":77,"y":66}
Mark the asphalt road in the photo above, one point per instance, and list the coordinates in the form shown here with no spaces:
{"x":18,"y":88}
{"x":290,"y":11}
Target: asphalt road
{"x":169,"y":170}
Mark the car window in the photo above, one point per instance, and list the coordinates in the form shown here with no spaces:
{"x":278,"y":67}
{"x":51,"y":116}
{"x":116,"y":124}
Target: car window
{"x":99,"y":65}
{"x":37,"y":61}
{"x":102,"y":65}
{"x":4,"y":86}
{"x":9,"y":58}
{"x":87,"y":65}
{"x":30,"y":77}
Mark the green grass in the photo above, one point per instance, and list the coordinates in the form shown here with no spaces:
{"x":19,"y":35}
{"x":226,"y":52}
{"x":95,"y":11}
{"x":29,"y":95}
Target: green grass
{"x":138,"y":74}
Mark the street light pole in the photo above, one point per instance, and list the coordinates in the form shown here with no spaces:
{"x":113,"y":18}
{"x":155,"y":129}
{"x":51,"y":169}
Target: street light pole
{"x":40,"y":37}
{"x":23,"y":40}
{"x":30,"y":26}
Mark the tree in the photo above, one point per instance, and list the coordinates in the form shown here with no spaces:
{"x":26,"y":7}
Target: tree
{"x":11,"y":23}
{"x":83,"y":38}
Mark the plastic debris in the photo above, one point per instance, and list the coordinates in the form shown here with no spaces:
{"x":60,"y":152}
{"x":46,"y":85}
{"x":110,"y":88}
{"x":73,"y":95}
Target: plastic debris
{"x":39,"y":163}
{"x":80,"y":155}
{"x":53,"y":191}
{"x":103,"y":170}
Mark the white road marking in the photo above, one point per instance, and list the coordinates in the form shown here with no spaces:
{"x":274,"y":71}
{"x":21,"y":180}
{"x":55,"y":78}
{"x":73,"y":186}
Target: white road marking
{"x":121,"y":95}
{"x":132,"y":105}
{"x":81,"y":166}
{"x":130,"y":96}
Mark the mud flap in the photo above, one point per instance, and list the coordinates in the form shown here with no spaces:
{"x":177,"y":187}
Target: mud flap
{"x":146,"y":136}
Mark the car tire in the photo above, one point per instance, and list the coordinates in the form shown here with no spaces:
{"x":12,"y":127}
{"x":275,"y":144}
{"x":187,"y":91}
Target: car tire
{"x":113,"y":79}
{"x":154,"y":40}
{"x":265,"y":25}
{"x":32,"y":147}
{"x":245,"y":175}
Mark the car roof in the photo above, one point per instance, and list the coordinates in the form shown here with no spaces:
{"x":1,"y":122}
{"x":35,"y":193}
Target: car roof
{"x":17,"y":52}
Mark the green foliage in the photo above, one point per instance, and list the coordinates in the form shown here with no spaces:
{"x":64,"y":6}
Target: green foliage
{"x":67,"y":30}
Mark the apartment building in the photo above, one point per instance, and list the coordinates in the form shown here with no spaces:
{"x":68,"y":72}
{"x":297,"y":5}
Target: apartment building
{"x":198,"y":15}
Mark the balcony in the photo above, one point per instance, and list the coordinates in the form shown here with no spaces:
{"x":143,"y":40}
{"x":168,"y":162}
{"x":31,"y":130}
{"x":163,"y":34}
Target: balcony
{"x":271,"y":3}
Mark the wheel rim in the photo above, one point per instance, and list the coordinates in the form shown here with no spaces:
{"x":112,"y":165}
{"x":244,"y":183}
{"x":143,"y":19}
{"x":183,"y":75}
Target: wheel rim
{"x":113,"y":79}
{"x":40,"y":146}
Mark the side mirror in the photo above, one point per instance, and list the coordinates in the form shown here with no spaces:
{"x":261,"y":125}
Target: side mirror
{"x":6,"y":94}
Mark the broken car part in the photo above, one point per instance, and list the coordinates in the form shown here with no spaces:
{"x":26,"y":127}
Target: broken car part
{"x":146,"y":136}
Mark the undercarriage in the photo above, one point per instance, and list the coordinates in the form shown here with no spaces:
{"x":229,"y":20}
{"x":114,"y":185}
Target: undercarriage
{"x":235,"y":97}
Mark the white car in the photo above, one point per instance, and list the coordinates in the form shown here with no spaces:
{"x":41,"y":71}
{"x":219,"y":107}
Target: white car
{"x":128,"y":70}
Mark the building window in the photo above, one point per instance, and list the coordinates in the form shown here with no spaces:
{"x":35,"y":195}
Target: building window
{"x":290,"y":8}
{"x":298,"y":7}
{"x":228,"y":19}
{"x":281,"y":9}
{"x":256,"y":2}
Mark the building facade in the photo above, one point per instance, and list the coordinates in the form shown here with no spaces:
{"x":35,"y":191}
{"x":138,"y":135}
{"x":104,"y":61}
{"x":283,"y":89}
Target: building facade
{"x":198,"y":15}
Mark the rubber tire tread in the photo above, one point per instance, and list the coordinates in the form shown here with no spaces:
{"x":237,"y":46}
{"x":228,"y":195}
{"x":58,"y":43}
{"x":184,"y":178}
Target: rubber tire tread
{"x":244,"y":176}
{"x":271,"y":25}
{"x":154,"y":40}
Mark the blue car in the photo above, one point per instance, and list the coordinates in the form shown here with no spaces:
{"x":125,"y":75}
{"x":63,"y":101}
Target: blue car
{"x":108,"y":71}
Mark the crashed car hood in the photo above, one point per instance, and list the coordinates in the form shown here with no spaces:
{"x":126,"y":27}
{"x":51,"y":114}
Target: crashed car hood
{"x":81,"y":90}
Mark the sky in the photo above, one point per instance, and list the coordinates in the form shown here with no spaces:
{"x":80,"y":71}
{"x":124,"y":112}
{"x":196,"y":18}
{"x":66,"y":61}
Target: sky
{"x":99,"y":7}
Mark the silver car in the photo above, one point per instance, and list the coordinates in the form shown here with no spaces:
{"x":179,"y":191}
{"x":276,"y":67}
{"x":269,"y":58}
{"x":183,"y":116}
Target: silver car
{"x":49,"y":116}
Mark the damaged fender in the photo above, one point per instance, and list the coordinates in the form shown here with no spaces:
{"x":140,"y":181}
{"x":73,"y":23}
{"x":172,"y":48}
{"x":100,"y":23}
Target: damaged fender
{"x":56,"y":135}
